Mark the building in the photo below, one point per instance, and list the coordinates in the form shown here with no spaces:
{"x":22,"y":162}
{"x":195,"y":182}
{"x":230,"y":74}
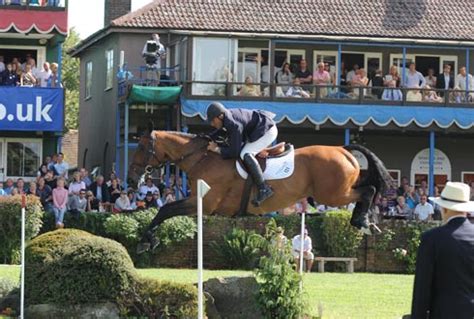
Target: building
{"x":213,"y":46}
{"x":31,"y":118}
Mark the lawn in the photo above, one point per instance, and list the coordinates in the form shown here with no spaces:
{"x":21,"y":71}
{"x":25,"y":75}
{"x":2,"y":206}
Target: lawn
{"x":355,"y":296}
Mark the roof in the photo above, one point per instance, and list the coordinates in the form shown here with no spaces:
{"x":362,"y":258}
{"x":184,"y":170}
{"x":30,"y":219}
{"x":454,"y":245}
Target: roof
{"x":414,"y":19}
{"x":423,"y":116}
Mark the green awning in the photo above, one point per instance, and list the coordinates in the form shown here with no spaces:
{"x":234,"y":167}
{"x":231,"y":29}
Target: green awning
{"x":154,"y":94}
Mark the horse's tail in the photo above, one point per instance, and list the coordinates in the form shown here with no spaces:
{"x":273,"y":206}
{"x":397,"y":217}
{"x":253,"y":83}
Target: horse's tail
{"x":378,"y":175}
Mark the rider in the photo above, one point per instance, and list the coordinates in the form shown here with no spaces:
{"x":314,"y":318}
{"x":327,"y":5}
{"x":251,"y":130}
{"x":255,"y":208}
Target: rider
{"x":249,"y":132}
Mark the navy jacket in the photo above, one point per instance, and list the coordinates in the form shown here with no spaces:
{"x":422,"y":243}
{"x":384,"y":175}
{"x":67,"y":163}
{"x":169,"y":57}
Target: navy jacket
{"x":444,"y":278}
{"x":242,"y":126}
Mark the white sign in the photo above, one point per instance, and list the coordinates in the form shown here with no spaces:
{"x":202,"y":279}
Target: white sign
{"x":363,"y":163}
{"x":421,"y":164}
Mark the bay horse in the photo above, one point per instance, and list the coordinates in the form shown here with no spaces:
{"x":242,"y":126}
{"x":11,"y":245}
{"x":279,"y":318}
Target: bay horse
{"x":329,"y":174}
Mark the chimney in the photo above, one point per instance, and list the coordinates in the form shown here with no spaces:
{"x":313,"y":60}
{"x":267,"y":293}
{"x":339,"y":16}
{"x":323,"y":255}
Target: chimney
{"x":115,"y":8}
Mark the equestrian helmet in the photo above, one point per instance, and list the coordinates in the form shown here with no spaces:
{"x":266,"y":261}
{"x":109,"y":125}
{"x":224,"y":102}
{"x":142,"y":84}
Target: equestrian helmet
{"x":214,"y":110}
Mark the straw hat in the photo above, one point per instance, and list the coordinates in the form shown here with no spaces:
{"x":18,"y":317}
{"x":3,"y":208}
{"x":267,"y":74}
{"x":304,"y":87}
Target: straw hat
{"x":455,"y":196}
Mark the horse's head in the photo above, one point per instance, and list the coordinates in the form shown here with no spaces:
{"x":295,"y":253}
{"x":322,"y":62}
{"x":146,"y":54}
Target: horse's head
{"x":155,"y":148}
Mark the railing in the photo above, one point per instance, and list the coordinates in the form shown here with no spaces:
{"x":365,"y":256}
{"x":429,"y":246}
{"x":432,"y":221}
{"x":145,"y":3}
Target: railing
{"x":328,"y":94}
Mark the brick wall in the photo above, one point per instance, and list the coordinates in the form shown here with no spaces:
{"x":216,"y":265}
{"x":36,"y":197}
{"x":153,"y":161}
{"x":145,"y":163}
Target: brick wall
{"x":370,"y":258}
{"x":70,"y":147}
{"x":115,"y":8}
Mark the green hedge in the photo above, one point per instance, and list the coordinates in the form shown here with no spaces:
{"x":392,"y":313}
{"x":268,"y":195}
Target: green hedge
{"x":10,"y":225}
{"x":70,"y":266}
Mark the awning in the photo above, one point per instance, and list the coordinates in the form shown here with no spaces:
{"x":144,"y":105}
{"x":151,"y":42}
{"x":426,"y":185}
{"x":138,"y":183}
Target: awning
{"x":154,"y":94}
{"x":341,"y":114}
{"x":40,"y":21}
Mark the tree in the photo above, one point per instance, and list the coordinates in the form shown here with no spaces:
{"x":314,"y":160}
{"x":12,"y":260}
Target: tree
{"x":70,"y":80}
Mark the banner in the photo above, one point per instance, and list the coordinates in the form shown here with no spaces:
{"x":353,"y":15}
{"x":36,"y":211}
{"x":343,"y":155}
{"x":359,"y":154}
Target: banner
{"x":31,"y":109}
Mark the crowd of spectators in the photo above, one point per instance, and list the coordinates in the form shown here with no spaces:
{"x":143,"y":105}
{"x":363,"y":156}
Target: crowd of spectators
{"x":300,"y":82}
{"x":35,"y":3}
{"x":60,"y":193}
{"x":16,"y":73}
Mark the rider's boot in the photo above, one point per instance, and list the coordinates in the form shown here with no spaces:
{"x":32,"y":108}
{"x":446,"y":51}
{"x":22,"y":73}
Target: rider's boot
{"x":148,"y":242}
{"x":263,"y":190}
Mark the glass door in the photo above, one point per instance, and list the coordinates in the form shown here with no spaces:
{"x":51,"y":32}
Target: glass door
{"x":248,"y":64}
{"x":373,"y":62}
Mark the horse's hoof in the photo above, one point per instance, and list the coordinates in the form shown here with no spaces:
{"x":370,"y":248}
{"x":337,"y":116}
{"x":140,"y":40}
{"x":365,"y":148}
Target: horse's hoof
{"x":143,"y":247}
{"x":366,"y":231}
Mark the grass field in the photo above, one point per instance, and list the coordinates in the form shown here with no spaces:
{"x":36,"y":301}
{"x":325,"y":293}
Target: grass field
{"x":355,"y":296}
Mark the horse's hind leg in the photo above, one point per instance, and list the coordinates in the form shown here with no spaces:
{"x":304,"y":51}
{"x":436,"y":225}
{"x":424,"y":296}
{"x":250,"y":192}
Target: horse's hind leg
{"x":360,"y":214}
{"x":179,"y":208}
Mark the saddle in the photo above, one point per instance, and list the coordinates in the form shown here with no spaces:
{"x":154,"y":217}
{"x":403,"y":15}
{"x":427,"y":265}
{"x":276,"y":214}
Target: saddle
{"x":278,"y":150}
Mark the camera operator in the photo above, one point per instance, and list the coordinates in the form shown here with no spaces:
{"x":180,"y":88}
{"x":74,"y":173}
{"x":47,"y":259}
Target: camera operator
{"x":153,"y":51}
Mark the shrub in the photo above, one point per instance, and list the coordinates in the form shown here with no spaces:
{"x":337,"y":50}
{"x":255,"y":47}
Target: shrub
{"x":10,"y":225}
{"x":175,"y":230}
{"x":240,"y":249}
{"x":71,"y":267}
{"x":122,"y":227}
{"x":340,"y":238}
{"x":154,"y":299}
{"x":92,"y":222}
{"x":6,"y":286}
{"x":279,"y":293}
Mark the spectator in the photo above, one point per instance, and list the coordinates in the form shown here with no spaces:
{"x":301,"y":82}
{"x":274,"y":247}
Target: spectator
{"x":15,"y":192}
{"x":53,"y":81}
{"x":122,"y":203}
{"x":77,"y":185}
{"x":280,"y":239}
{"x":303,"y":74}
{"x":461,"y":85}
{"x":343,"y":77}
{"x":2,"y":64}
{"x":445,"y":81}
{"x":402,"y":208}
{"x":112,"y":176}
{"x":424,"y":187}
{"x":132,"y":199}
{"x":424,"y":210}
{"x":383,"y":206}
{"x":411,"y":198}
{"x":351,"y":74}
{"x":150,"y":202}
{"x":78,"y":204}
{"x":169,"y":196}
{"x":392,"y":93}
{"x":360,"y":80}
{"x":377,"y":84}
{"x":85,"y":177}
{"x":284,"y":76}
{"x":60,"y":198}
{"x":10,"y":76}
{"x":9,"y":186}
{"x":296,"y":90}
{"x":157,"y":199}
{"x":32,"y":189}
{"x":44,"y":75}
{"x":27,"y":78}
{"x":322,"y":78}
{"x":149,"y":187}
{"x":249,"y":89}
{"x":431,"y":78}
{"x":52,"y":162}
{"x":414,"y":79}
{"x":93,"y":204}
{"x":307,"y":250}
{"x":20,"y":185}
{"x":430,"y":95}
{"x":2,"y":191}
{"x":50,"y":179}
{"x":265,"y":71}
{"x":34,"y":69}
{"x":414,"y":95}
{"x":44,"y":192}
{"x":42,"y":170}
{"x":402,"y":190}
{"x":114,"y":190}
{"x":392,"y":76}
{"x":100,"y":191}
{"x":61,"y":167}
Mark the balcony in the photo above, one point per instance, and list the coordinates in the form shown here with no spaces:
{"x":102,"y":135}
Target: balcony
{"x":54,"y":5}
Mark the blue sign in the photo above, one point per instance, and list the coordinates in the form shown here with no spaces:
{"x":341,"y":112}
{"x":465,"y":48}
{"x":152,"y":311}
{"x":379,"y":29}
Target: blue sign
{"x":31,"y":109}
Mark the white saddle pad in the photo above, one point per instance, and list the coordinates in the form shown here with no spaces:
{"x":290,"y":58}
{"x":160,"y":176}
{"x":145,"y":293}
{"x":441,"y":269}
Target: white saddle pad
{"x":277,"y":167}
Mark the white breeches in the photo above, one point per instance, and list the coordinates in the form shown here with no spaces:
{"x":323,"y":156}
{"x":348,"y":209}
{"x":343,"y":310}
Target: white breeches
{"x":260,"y":144}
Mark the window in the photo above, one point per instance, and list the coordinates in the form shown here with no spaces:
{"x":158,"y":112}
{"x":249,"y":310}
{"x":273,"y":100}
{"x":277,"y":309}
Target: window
{"x":467,"y":177}
{"x":109,"y":78}
{"x":23,"y":157}
{"x":88,"y":79}
{"x":395,"y":174}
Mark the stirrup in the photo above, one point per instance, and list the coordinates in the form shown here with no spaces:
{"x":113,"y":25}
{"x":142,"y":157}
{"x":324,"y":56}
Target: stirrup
{"x":261,"y":197}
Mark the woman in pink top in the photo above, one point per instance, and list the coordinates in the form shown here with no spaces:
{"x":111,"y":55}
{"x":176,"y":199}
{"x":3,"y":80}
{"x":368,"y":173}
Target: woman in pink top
{"x":60,"y":197}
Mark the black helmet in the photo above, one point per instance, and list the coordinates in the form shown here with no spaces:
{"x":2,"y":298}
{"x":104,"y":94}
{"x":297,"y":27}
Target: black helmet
{"x":215,"y":109}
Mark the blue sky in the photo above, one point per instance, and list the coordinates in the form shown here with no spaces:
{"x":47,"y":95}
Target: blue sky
{"x":87,"y":16}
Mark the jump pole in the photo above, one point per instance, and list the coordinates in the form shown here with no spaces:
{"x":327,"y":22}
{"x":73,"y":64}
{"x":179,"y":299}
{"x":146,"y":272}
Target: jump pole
{"x":22,"y":287}
{"x":202,"y":189}
{"x":301,"y":249}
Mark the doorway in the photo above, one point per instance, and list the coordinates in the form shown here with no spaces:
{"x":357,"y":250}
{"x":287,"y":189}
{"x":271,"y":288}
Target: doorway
{"x":351,"y":59}
{"x":423,"y":63}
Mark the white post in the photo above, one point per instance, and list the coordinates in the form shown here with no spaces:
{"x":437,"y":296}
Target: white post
{"x":122,"y":59}
{"x":202,"y":189}
{"x":302,"y":248}
{"x":22,"y":288}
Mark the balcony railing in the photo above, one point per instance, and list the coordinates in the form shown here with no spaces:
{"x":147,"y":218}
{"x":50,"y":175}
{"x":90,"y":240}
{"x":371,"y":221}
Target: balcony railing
{"x":329,"y":94}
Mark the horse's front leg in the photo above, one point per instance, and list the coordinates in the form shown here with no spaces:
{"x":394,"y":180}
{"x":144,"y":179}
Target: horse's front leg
{"x":182,"y":207}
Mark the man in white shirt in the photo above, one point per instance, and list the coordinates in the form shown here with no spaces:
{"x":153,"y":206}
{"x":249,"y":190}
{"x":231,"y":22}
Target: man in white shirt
{"x":308,"y":255}
{"x":44,"y":75}
{"x":351,"y":74}
{"x":414,"y":79}
{"x":61,"y":167}
{"x":147,"y":187}
{"x":424,"y":211}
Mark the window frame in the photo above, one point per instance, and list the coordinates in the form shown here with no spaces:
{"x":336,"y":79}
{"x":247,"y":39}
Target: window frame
{"x":109,"y":69}
{"x":4,"y":160}
{"x":88,"y":82}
